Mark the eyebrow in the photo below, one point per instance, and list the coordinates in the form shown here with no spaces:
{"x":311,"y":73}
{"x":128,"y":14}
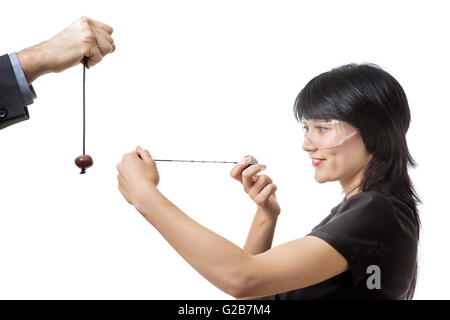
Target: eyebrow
{"x":318,"y":123}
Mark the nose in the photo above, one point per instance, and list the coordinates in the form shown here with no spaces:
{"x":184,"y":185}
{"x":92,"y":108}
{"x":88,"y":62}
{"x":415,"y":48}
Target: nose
{"x":307,"y":145}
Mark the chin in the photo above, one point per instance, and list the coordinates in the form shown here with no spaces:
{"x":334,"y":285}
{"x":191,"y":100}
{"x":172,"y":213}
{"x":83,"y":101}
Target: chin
{"x":320,"y":179}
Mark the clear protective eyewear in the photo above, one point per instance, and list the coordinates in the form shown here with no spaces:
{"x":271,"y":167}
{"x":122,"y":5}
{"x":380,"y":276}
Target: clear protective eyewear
{"x":326,"y":134}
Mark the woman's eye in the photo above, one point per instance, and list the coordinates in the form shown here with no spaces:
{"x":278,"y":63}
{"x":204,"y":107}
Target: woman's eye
{"x":305,"y":128}
{"x":321,"y":129}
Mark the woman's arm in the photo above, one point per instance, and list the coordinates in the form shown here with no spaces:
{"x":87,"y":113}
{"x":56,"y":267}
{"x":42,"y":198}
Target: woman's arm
{"x":262,"y":191}
{"x":261,"y":232}
{"x":217,"y":259}
{"x":260,"y":237}
{"x":292,"y":265}
{"x":295,"y":264}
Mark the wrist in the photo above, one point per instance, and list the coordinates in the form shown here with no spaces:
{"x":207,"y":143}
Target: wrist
{"x":148,"y":199}
{"x":266,"y":215}
{"x":34,"y":62}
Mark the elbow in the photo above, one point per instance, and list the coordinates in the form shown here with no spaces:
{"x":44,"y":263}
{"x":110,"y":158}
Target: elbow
{"x":237,"y":289}
{"x":239,"y":285}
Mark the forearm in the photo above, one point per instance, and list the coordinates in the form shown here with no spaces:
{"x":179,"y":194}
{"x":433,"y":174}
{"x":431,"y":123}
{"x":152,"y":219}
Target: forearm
{"x":218,"y":260}
{"x":261,"y":232}
{"x":33,"y":62}
{"x":260,"y":237}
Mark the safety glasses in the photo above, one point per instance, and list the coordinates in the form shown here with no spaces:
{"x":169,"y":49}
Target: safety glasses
{"x":326,"y":134}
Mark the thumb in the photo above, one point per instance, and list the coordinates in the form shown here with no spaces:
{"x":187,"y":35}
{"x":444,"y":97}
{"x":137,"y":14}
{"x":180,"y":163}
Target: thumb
{"x":144,"y":154}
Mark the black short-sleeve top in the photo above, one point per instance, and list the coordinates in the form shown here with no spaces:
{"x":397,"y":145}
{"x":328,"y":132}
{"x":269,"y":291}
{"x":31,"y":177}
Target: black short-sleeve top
{"x":378,"y":238}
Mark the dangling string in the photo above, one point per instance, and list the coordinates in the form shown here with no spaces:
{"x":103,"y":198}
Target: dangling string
{"x":85,"y":65}
{"x":84,"y":161}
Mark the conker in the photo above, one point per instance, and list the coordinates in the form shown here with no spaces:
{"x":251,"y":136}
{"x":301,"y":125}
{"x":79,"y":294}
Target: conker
{"x":83,"y":162}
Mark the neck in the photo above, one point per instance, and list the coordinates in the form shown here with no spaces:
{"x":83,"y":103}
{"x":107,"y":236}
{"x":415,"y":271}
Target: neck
{"x":352,"y":186}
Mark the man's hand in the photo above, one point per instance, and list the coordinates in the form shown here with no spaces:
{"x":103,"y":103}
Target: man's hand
{"x":84,"y":38}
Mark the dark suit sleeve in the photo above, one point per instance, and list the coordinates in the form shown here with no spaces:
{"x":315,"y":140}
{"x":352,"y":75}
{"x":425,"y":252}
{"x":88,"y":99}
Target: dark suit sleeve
{"x":12,"y":106}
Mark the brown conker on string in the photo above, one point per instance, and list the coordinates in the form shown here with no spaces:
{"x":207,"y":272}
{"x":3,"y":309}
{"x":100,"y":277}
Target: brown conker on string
{"x":83,"y":162}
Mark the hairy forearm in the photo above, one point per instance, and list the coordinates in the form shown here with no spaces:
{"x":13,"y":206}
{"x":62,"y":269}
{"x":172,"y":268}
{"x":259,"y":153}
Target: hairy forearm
{"x":33,"y":62}
{"x":214,"y":257}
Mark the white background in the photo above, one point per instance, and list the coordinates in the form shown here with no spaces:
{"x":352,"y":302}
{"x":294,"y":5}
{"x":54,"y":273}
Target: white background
{"x":205,"y":80}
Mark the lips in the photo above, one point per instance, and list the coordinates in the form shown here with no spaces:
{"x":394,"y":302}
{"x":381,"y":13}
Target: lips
{"x":317,"y":162}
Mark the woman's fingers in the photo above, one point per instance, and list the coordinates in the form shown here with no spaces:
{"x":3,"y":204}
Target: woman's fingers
{"x":259,"y":187}
{"x":261,"y":182}
{"x":249,"y":173}
{"x":264,"y":195}
{"x":236,"y":172}
{"x":144,"y":154}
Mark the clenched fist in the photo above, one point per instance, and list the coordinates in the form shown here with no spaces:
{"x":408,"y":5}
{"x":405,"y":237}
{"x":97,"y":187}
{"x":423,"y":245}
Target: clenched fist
{"x":84,"y":38}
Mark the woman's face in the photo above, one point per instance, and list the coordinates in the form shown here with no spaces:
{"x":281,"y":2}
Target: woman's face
{"x":343,"y":163}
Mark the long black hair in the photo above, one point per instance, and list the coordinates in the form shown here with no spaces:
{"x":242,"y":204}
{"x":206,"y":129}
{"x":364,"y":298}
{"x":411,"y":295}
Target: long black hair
{"x":370,"y":99}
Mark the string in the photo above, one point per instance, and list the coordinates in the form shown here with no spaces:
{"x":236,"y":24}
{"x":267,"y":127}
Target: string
{"x":197,"y":161}
{"x":85,"y":65}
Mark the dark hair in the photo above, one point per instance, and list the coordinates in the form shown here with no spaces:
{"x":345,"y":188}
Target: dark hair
{"x":371,"y":100}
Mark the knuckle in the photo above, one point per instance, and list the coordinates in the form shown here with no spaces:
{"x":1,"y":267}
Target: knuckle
{"x":83,"y":22}
{"x":83,"y":19}
{"x":88,"y":36}
{"x":85,"y":50}
{"x":104,"y":50}
{"x":97,"y":59}
{"x":259,"y":200}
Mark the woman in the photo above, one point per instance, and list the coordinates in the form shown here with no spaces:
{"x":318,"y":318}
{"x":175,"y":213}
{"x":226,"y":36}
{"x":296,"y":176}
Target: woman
{"x":355,"y":119}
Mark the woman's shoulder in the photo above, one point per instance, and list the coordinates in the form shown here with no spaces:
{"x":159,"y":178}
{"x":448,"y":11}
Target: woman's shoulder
{"x":382,"y":210}
{"x":371,"y":210}
{"x":368,"y":195}
{"x":376,"y":200}
{"x":369,"y":201}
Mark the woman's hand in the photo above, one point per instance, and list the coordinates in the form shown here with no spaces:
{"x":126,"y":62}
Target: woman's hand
{"x":259,"y":187}
{"x":137,"y":173}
